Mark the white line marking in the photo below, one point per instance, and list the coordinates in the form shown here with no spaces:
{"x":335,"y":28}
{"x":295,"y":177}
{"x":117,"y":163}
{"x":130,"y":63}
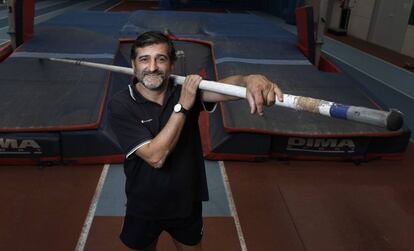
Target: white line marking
{"x":91,"y":213}
{"x":3,"y":43}
{"x":232,"y":206}
{"x":113,"y":6}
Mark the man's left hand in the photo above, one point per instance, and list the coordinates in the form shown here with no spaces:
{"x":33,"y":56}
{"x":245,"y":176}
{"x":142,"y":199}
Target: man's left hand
{"x":261,"y":91}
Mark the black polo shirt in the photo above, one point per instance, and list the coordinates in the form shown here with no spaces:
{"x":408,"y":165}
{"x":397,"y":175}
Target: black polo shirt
{"x":170,"y":191}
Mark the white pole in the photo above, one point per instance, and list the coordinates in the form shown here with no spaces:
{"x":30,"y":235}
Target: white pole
{"x":391,"y":120}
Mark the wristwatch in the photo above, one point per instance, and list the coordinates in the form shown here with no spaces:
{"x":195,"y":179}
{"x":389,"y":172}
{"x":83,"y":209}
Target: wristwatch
{"x":179,"y":108}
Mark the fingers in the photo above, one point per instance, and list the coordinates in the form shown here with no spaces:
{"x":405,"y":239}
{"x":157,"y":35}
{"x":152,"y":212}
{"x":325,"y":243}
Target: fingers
{"x":260,"y":92}
{"x":189,"y":91}
{"x":259,"y":101}
{"x":278,"y":93}
{"x":252,"y":104}
{"x":270,"y":99}
{"x":191,"y":83}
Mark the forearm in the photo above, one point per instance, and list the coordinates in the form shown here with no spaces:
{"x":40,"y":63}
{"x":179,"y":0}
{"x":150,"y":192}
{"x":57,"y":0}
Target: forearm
{"x":158,"y":149}
{"x":260,"y":91}
{"x":238,"y":80}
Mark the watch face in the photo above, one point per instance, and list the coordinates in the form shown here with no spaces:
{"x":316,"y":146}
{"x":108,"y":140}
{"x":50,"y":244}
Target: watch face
{"x":177,"y":108}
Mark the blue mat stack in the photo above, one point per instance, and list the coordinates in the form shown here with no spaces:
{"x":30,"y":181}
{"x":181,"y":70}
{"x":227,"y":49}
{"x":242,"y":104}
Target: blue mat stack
{"x":57,"y":113}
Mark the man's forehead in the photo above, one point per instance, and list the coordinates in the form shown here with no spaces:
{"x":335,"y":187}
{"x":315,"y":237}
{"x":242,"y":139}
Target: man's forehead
{"x":153,"y":50}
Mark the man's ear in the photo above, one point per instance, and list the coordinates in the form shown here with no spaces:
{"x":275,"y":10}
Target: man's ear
{"x":133,"y":64}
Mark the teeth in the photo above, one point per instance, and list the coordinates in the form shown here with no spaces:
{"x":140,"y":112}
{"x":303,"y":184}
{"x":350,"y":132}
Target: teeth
{"x":152,"y":76}
{"x":152,"y":79}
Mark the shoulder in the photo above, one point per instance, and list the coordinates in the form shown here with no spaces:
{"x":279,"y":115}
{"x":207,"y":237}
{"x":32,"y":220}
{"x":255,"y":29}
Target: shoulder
{"x":120,"y":96}
{"x":119,"y":101}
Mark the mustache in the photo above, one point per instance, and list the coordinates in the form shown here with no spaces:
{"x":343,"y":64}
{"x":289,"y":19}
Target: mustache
{"x":157,"y":72}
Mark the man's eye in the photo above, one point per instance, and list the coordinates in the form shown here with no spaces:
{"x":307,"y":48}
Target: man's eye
{"x":162,"y":60}
{"x":143,"y":60}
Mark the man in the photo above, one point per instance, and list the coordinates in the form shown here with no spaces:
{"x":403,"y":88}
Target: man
{"x":156,"y":123}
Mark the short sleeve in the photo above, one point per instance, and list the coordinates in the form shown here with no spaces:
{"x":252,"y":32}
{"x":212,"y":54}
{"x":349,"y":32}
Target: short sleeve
{"x":130,"y":133}
{"x":209,"y":107}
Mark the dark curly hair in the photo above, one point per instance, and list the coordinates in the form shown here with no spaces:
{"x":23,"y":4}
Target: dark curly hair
{"x":150,"y":38}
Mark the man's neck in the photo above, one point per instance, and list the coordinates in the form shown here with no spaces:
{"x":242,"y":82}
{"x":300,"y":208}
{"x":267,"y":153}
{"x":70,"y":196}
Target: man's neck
{"x":156,"y":96}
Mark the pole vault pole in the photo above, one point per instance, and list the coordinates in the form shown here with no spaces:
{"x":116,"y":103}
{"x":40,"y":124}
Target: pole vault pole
{"x":392,"y":120}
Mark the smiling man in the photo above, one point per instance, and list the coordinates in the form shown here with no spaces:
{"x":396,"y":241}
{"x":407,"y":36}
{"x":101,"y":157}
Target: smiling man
{"x":156,"y":123}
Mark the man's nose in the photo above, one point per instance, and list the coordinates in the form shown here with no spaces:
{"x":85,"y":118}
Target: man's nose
{"x":153,"y":65}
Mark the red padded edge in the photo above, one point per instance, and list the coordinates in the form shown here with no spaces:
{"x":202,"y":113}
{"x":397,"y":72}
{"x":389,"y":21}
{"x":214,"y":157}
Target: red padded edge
{"x":28,"y":19}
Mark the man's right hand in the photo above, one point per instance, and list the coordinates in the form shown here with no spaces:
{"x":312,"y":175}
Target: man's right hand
{"x":189,"y":91}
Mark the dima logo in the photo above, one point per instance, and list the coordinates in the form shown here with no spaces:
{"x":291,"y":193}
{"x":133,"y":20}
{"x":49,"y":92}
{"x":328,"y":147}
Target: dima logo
{"x":19,"y":146}
{"x":331,"y":145}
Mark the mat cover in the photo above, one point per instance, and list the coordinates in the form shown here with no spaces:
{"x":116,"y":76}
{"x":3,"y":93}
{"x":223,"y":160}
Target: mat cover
{"x":56,"y":112}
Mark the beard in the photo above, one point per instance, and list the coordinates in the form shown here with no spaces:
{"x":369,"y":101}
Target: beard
{"x":152,"y":80}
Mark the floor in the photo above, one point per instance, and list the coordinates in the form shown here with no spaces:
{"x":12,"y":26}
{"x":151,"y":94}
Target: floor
{"x":280,"y":205}
{"x":385,"y":54}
